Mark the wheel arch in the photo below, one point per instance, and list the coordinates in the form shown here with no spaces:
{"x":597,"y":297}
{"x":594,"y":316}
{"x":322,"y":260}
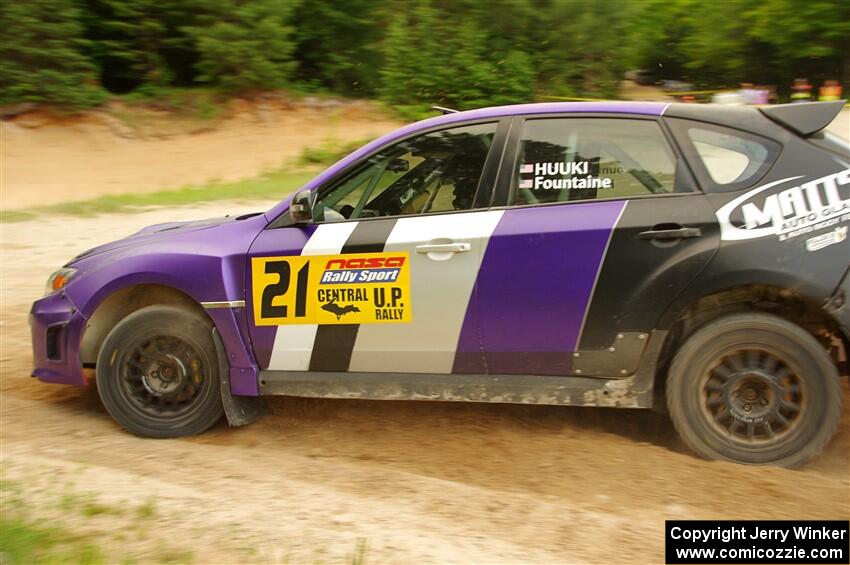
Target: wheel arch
{"x":782,"y":301}
{"x":122,"y":302}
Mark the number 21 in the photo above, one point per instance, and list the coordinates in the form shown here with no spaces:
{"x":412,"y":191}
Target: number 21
{"x":280,"y":288}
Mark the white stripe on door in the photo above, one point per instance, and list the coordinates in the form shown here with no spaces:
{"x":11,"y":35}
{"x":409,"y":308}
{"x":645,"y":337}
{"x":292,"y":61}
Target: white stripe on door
{"x":439,"y":292}
{"x":293,"y":344}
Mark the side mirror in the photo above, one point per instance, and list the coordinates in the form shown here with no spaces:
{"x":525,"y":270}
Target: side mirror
{"x":301,"y":208}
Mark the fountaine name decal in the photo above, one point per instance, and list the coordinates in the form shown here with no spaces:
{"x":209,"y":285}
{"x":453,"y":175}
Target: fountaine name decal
{"x":563,"y":176}
{"x":802,"y":209}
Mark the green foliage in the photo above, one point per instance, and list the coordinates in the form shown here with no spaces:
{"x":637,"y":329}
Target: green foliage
{"x":146,"y":511}
{"x":755,"y":41}
{"x":330,"y":151}
{"x":41,"y":55}
{"x":585,"y":52}
{"x":245,"y":45}
{"x":432,"y":58}
{"x":808,"y":37}
{"x":411,"y":53}
{"x":716,"y":48}
{"x":22,"y":541}
{"x":140,"y":44}
{"x":337,"y":44}
{"x":656,"y":32}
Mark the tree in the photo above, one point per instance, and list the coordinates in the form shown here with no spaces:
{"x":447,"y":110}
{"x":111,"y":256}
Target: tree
{"x":810,"y":37}
{"x":585,"y":52}
{"x":435,"y":57}
{"x":655,"y":35}
{"x":41,"y":55}
{"x":338,"y":44}
{"x":245,"y":45}
{"x":717,"y":47}
{"x":141,"y":42}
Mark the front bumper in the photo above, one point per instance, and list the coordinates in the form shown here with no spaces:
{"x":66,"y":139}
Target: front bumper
{"x":57,"y":328}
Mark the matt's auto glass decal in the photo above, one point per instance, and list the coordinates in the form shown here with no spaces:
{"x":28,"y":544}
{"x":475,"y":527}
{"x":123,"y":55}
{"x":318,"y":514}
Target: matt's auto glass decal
{"x":356,"y":288}
{"x":801,"y":209}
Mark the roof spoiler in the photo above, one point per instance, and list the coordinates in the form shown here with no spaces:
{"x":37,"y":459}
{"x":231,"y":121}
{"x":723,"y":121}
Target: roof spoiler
{"x":804,"y":118}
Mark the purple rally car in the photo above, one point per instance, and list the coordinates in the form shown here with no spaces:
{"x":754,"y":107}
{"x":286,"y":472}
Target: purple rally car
{"x":592,"y":254}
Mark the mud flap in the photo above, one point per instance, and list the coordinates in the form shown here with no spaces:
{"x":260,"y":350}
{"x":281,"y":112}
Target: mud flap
{"x":240,"y":410}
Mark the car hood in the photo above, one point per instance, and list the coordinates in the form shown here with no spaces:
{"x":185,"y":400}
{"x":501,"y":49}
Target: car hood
{"x":157,"y":233}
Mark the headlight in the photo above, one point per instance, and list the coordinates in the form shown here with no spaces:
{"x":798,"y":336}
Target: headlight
{"x":59,"y":279}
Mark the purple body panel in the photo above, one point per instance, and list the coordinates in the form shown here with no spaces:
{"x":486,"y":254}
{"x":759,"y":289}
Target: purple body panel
{"x":534,"y":286}
{"x":56,"y":311}
{"x":207,"y":261}
{"x":204,"y":260}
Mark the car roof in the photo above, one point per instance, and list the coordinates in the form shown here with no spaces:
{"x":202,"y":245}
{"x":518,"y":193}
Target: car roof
{"x":646,"y":108}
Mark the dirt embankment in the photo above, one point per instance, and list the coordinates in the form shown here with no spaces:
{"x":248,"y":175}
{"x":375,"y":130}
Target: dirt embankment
{"x":49,"y":159}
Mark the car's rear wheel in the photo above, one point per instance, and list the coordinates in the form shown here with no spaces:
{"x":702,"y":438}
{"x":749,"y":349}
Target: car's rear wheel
{"x":157,"y":373}
{"x":754,"y":388}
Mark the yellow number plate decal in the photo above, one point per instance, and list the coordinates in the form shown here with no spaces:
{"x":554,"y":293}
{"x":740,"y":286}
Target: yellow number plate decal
{"x":355,"y":288}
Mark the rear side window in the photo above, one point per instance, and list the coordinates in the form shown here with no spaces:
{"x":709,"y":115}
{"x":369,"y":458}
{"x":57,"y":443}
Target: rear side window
{"x":569,"y":159}
{"x":725,"y":159}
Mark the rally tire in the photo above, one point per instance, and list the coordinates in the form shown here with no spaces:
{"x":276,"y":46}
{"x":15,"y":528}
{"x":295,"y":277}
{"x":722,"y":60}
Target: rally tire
{"x":157,"y":373}
{"x":756,"y":389}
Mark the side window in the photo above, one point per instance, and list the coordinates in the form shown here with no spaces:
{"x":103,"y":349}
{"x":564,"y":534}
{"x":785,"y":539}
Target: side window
{"x":724,"y":159}
{"x":435,"y":172}
{"x":567,"y":159}
{"x":728,"y":158}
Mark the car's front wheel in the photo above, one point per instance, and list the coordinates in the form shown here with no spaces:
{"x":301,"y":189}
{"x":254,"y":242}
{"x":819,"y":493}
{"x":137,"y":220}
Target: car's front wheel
{"x":754,"y":388}
{"x":157,"y":373}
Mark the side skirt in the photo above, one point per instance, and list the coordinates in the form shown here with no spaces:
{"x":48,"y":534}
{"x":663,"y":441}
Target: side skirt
{"x":634,"y":391}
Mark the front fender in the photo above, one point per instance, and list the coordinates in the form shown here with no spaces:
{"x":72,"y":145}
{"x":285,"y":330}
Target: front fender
{"x":201,"y":278}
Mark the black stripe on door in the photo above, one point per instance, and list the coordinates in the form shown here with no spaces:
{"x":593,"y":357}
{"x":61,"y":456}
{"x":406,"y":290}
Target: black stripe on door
{"x":335,"y":342}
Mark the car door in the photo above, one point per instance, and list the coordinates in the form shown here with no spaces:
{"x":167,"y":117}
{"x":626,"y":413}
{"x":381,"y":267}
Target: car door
{"x":381,"y":280}
{"x":602,"y":227}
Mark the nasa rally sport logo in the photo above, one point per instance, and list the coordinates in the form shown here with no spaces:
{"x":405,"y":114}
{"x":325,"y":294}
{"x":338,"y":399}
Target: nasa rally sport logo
{"x":362,"y":270}
{"x":801,"y":209}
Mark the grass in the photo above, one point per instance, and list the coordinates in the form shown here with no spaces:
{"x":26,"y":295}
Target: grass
{"x":330,"y":151}
{"x":270,"y":186}
{"x":359,"y":557}
{"x":22,"y":541}
{"x":146,"y":511}
{"x":87,"y":505}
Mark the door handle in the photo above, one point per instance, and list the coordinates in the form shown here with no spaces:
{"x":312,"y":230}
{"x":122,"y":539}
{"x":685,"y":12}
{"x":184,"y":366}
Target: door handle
{"x":444,"y":248}
{"x":672,"y":233}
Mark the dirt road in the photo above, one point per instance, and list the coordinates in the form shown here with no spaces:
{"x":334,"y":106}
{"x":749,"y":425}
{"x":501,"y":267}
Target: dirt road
{"x":314,"y":480}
